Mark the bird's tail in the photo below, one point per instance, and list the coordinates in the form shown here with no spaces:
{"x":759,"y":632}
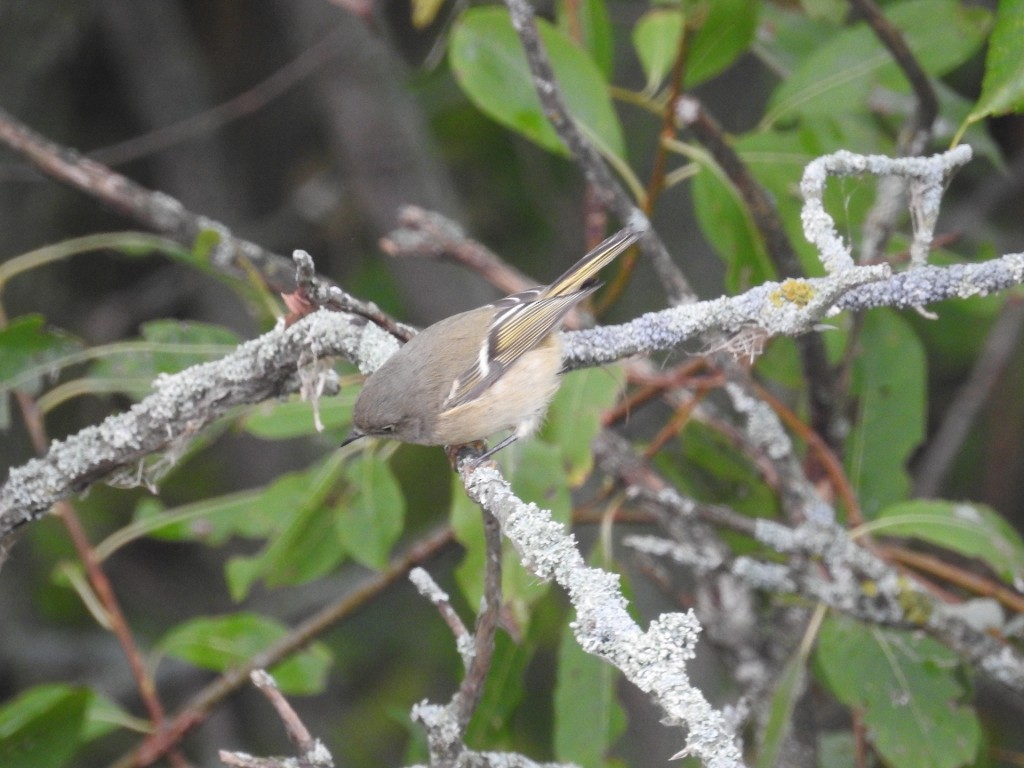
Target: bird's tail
{"x":583,"y":273}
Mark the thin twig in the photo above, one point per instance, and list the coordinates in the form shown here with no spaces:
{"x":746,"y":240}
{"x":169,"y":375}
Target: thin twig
{"x":914,"y":138}
{"x":808,"y":546}
{"x":681,"y":416}
{"x":472,"y":687}
{"x":307,"y":63}
{"x":101,"y":585}
{"x":265,"y":367}
{"x":655,"y":659}
{"x":427,"y":233}
{"x":231,"y":255}
{"x":972,"y":582}
{"x":824,"y":456}
{"x":918,"y":131}
{"x":293,"y":725}
{"x":197,"y":708}
{"x":447,"y":744}
{"x":118,"y":624}
{"x":612,"y":193}
{"x":656,"y":183}
{"x":427,"y":587}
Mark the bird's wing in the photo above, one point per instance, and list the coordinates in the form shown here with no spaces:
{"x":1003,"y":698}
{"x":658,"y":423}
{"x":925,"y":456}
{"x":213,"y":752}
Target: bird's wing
{"x":516,"y":329}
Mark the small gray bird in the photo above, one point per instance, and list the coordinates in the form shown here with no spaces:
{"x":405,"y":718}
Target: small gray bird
{"x":479,"y":372}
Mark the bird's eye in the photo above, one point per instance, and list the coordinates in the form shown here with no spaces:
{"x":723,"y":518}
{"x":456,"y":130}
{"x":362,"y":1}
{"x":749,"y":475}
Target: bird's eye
{"x":387,"y":429}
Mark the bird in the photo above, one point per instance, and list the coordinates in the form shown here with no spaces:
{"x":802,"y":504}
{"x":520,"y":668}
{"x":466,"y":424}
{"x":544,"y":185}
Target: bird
{"x":482,"y":371}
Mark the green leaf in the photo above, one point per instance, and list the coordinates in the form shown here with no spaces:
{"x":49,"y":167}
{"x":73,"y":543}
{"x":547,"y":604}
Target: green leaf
{"x":370,"y":520}
{"x":536,"y":473}
{"x":126,"y":367}
{"x":656,"y":41}
{"x":789,"y":689}
{"x":503,"y":692}
{"x":206,"y":339}
{"x":574,"y":418}
{"x":841,"y":71}
{"x":708,"y":466}
{"x":104,"y":716}
{"x":955,"y":126}
{"x":726,"y":224}
{"x":795,"y":33}
{"x":297,"y":551}
{"x":1002,"y":90}
{"x":28,"y":351}
{"x":824,"y":9}
{"x":25,"y":342}
{"x":203,"y":246}
{"x":973,"y":530}
{"x":889,"y":384}
{"x":588,"y":718}
{"x":222,"y":642}
{"x":132,"y":244}
{"x":838,"y":749}
{"x":724,"y":33}
{"x":43,"y":727}
{"x":294,"y":418}
{"x":300,"y":554}
{"x":213,"y":521}
{"x":777,"y":159}
{"x":168,"y":346}
{"x":907,"y":687}
{"x":491,"y":68}
{"x":592,"y":27}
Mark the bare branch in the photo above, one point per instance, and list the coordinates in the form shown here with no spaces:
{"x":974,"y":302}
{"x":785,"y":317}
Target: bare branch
{"x":612,"y":195}
{"x":824,"y":563}
{"x":430,"y":589}
{"x":231,"y":255}
{"x":297,"y":730}
{"x":184,"y":403}
{"x":426,"y":233}
{"x":446,"y":744}
{"x":312,"y":752}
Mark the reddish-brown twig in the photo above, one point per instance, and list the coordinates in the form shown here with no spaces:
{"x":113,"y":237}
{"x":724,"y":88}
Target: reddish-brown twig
{"x":200,"y":705}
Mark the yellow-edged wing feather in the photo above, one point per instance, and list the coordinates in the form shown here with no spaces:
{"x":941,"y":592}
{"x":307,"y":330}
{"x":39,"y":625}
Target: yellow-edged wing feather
{"x":586,"y":269}
{"x":524,"y":320}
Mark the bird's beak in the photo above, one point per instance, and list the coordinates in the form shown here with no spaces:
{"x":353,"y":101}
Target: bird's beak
{"x":353,"y":435}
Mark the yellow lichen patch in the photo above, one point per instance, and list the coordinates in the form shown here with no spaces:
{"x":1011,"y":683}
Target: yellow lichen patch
{"x":797,"y":292}
{"x":916,"y":606}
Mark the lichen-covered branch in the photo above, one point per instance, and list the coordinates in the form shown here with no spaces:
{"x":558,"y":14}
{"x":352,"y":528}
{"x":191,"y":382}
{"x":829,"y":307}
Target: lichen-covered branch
{"x":266,"y":367}
{"x":653,"y":660}
{"x":926,"y":177}
{"x":182,"y":404}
